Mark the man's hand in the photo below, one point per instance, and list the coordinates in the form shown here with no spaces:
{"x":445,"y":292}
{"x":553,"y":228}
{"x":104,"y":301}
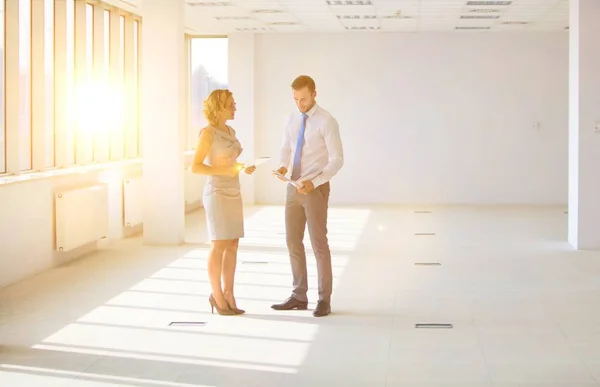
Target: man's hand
{"x":283,"y":171}
{"x":307,"y":187}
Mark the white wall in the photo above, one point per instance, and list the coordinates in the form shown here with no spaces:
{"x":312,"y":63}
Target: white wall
{"x":27,"y":232}
{"x":426,"y":118}
{"x":27,"y":237}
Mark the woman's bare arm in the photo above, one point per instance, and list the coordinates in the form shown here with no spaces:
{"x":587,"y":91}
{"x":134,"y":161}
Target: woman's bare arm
{"x":198,"y":166}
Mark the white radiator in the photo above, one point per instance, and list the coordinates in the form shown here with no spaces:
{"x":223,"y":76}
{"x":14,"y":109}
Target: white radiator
{"x":133,"y":202}
{"x":81,"y":216}
{"x":194,"y":186}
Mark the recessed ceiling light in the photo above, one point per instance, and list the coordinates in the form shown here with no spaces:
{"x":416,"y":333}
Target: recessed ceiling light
{"x":472,"y":28}
{"x":490,"y":2}
{"x":253,"y":29}
{"x":349,"y":2}
{"x":266,"y":11}
{"x":362,"y":27}
{"x":356,"y":17}
{"x":233,"y":18}
{"x":397,"y":17}
{"x":209,"y":3}
{"x":484,"y":10}
{"x":480,"y":17}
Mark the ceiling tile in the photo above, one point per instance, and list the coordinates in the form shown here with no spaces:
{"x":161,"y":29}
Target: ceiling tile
{"x":391,"y":15}
{"x":276,"y":17}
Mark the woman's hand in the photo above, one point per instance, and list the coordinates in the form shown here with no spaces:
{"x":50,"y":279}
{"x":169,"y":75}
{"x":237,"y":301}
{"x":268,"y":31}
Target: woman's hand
{"x":250,"y":170}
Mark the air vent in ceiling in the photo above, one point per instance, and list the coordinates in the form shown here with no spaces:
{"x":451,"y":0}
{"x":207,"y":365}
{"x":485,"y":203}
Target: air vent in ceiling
{"x":491,"y":2}
{"x":362,"y":28}
{"x":349,"y":2}
{"x":472,"y":28}
{"x":263,"y":11}
{"x":283,"y":23}
{"x":397,"y":17}
{"x":253,"y":29}
{"x":480,"y":17}
{"x":515,"y":22}
{"x":233,"y":18}
{"x":484,"y":10}
{"x":356,"y":17}
{"x":209,"y":3}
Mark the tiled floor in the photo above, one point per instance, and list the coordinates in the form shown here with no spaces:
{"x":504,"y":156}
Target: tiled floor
{"x":525,"y":308}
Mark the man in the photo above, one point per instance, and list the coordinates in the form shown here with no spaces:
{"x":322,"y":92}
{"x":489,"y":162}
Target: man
{"x":312,"y":140}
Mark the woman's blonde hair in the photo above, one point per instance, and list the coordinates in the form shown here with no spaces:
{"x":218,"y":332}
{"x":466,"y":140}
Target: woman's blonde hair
{"x":215,"y":104}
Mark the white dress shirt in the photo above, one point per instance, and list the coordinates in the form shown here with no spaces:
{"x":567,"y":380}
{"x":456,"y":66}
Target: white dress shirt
{"x":322,"y":154}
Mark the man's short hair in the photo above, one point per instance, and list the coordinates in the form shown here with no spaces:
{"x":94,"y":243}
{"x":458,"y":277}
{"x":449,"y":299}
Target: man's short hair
{"x":304,"y":81}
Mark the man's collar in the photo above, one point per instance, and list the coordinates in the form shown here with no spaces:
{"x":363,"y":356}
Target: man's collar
{"x":312,"y":110}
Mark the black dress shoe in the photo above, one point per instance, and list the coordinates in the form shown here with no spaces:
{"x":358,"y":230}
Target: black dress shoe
{"x":291,"y":303}
{"x":323,"y":309}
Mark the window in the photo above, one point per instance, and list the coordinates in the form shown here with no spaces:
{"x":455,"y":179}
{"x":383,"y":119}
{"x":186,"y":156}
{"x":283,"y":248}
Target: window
{"x":106,"y":121}
{"x":120,"y":153}
{"x":106,"y":46}
{"x":122,"y":44}
{"x":208,"y":61}
{"x":2,"y":128}
{"x":90,"y":54}
{"x":136,"y":76}
{"x":70,"y":130}
{"x":86,"y":121}
{"x":49,"y":77}
{"x":89,"y":41}
{"x":24,"y":85}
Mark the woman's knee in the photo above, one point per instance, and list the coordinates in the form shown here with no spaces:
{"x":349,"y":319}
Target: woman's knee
{"x":232,"y":245}
{"x":219,"y":246}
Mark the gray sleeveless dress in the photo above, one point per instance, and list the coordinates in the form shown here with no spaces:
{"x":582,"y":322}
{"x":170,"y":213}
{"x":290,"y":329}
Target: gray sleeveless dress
{"x":222,"y":196}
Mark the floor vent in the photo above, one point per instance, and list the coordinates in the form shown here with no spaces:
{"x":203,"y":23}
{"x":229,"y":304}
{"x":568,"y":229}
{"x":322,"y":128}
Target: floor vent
{"x":434,"y":326}
{"x":187,"y":323}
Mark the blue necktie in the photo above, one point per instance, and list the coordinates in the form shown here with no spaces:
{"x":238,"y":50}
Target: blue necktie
{"x":298,"y":155}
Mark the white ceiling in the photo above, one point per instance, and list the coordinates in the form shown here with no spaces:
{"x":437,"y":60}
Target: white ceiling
{"x":222,"y":17}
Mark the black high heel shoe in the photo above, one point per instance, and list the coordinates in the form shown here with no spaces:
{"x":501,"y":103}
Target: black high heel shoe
{"x":222,"y":312}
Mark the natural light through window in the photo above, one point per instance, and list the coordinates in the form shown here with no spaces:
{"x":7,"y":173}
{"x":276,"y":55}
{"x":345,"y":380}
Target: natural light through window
{"x":99,"y":106}
{"x":25,"y":85}
{"x":135,"y":323}
{"x":208,"y":71}
{"x":70,"y":75}
{"x":36,"y":376}
{"x":49,"y":80}
{"x":99,"y":102}
{"x":2,"y":83}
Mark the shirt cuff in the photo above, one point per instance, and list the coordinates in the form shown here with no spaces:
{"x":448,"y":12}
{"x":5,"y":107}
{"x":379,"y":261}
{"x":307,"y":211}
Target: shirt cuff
{"x":317,"y":181}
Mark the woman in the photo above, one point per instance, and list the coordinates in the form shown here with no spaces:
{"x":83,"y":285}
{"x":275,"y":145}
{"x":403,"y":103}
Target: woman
{"x":216,"y":156}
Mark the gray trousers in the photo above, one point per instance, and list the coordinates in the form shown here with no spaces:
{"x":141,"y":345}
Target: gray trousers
{"x":312,"y":209}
